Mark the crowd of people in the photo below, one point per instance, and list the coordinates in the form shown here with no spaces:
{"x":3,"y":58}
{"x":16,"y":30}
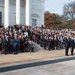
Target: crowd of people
{"x":55,"y":39}
{"x":15,"y":39}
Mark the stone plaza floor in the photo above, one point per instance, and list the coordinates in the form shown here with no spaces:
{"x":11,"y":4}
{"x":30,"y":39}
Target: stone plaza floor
{"x":38,"y":63}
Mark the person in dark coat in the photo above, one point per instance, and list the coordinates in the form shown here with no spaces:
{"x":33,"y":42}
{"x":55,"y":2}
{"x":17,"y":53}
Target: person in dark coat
{"x":0,"y":45}
{"x":72,"y":46}
{"x":16,"y":44}
{"x":68,"y":44}
{"x":44,"y":41}
{"x":41,"y":41}
{"x":52,"y":43}
{"x":49,"y":43}
{"x":21,"y":44}
{"x":6,"y":44}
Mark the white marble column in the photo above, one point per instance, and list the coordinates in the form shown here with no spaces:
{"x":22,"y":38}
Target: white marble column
{"x":6,"y":13}
{"x":27,"y":12}
{"x":17,"y":11}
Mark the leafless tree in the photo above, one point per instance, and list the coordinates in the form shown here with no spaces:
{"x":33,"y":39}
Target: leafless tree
{"x":69,"y":10}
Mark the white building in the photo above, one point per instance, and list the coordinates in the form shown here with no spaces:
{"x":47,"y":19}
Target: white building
{"x":26,"y":12}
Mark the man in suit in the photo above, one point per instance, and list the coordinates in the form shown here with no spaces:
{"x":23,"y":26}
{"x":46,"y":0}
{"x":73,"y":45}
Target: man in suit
{"x":41,"y":41}
{"x":16,"y":44}
{"x":72,"y":46}
{"x":49,"y":43}
{"x":68,"y":44}
{"x":6,"y":44}
{"x":44,"y":41}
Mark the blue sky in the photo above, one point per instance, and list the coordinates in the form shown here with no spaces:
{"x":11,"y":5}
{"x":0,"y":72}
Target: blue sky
{"x":56,"y":6}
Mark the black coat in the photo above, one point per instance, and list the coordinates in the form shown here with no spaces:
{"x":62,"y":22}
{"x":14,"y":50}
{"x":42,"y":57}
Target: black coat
{"x":67,"y":42}
{"x":5,"y":42}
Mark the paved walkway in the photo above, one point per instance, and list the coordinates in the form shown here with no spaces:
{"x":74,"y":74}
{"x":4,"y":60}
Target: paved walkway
{"x":29,"y":56}
{"x":63,"y":68}
{"x":55,"y":66}
{"x":38,"y":63}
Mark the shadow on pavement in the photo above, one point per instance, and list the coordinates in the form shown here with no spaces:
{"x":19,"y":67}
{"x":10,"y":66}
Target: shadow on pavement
{"x":35,"y":64}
